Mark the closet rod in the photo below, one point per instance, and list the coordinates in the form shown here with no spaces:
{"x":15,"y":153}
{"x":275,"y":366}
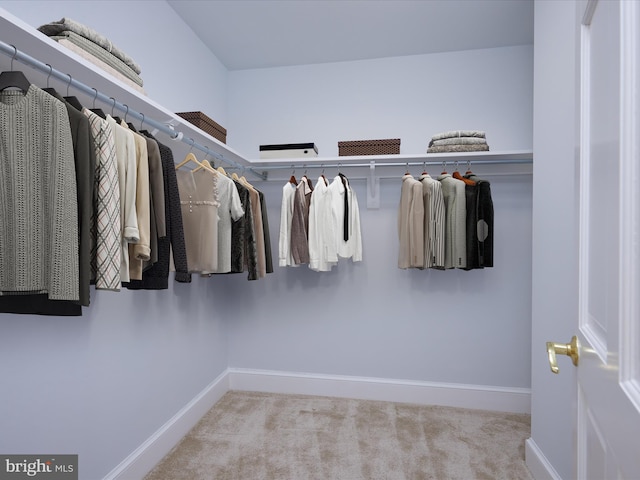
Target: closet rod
{"x":15,"y":54}
{"x":513,"y":161}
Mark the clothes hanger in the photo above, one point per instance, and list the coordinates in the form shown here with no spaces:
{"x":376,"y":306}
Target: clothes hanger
{"x":51,"y":91}
{"x":308,"y":180}
{"x":14,"y":78}
{"x":95,"y":110}
{"x":292,"y":179}
{"x":326,"y":183}
{"x":129,"y":124}
{"x":206,"y":165}
{"x":444,"y":167}
{"x":117,"y":119}
{"x":189,"y":158}
{"x":73,"y":101}
{"x":221,"y":170}
{"x":424,"y":168}
{"x":457,"y":175}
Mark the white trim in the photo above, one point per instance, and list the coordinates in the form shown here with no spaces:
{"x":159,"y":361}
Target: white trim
{"x":513,"y":400}
{"x":142,"y":460}
{"x":537,"y":463}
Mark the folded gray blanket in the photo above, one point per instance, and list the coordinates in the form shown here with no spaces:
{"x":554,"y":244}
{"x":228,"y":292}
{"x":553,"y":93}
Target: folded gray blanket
{"x":459,"y":141}
{"x":458,"y":148}
{"x":100,"y":53}
{"x":66,"y":24}
{"x":459,"y":133}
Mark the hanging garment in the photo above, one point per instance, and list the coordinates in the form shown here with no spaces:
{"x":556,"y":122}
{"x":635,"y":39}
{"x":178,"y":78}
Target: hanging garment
{"x":244,"y":256}
{"x":84,"y":160}
{"x":230,"y":210}
{"x":256,"y":210}
{"x":411,"y":224}
{"x":199,"y":201}
{"x":344,"y":204}
{"x":299,"y":236}
{"x":484,"y":228}
{"x":39,"y":218}
{"x":435,"y":218}
{"x":455,"y":221}
{"x":105,"y":253}
{"x":140,"y":251}
{"x":126,"y":160}
{"x":285,"y":254}
{"x":171,"y":247}
{"x":322,"y":235}
{"x":267,"y":237}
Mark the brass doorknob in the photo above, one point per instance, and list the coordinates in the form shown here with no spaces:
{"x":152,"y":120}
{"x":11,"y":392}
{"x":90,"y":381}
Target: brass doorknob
{"x":570,"y":349}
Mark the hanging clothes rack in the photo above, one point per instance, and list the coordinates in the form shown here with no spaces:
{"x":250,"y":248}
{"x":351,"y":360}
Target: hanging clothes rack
{"x":166,"y":128}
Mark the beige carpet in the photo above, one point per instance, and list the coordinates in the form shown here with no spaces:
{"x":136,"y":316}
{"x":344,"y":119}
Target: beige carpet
{"x":261,"y":436}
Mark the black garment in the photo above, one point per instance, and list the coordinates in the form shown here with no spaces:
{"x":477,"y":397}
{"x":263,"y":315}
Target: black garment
{"x":244,"y":251}
{"x":84,"y":157}
{"x":267,"y":238}
{"x":471,"y":195}
{"x":485,"y":222}
{"x":156,"y":277}
{"x":345,"y":226}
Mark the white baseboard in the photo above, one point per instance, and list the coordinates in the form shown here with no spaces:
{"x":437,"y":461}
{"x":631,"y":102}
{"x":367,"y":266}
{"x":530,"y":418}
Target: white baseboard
{"x":537,"y":463}
{"x":514,"y":400}
{"x":148,"y":455}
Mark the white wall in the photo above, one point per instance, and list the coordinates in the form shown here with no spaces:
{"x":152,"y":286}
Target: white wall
{"x":101,"y":384}
{"x":178,"y":71}
{"x":373,"y":319}
{"x":555,"y":241}
{"x":410,"y":98}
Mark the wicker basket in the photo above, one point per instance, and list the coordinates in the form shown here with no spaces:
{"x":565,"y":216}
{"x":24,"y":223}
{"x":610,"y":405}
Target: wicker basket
{"x":205,"y":124}
{"x":390,"y":146}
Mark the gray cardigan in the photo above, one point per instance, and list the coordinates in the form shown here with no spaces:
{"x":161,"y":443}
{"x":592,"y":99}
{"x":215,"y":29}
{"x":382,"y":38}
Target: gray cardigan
{"x":39,"y":226}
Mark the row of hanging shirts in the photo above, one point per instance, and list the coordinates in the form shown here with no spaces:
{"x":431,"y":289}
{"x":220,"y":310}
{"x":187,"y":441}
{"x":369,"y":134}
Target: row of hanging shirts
{"x":92,"y":199}
{"x":445,"y":222}
{"x":319,"y":224}
{"x":226,"y":226}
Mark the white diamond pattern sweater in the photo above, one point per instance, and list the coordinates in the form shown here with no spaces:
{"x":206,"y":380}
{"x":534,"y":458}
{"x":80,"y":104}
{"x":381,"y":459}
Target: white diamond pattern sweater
{"x":105,"y":255}
{"x":38,"y":197}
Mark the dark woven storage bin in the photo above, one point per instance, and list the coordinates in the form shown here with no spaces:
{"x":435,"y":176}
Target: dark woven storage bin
{"x":205,"y":124}
{"x":389,"y":146}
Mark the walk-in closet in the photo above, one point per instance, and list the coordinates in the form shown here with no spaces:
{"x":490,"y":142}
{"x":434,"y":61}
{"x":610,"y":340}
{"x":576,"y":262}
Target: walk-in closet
{"x":122,"y":383}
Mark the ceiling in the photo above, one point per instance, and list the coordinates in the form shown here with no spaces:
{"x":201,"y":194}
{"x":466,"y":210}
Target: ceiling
{"x":246,"y":34}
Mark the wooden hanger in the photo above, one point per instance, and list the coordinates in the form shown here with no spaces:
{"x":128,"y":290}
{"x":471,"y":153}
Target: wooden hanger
{"x":206,"y":165}
{"x":221,"y":170}
{"x":189,"y":158}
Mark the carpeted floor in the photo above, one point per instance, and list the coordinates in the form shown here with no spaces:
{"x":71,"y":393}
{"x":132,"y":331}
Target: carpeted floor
{"x":263,"y":436}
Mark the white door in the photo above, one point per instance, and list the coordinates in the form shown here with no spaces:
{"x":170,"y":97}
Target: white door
{"x":608,"y":375}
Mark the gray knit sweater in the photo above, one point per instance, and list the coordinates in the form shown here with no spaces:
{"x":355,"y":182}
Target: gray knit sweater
{"x":39,"y":214}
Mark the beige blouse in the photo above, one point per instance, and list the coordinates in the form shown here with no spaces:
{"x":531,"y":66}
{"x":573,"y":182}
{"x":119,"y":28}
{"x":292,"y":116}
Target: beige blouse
{"x":199,"y":204}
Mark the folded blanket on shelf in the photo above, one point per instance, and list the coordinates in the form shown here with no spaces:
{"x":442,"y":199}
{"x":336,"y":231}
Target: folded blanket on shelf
{"x":67,"y":24}
{"x":459,"y":141}
{"x":459,"y":133}
{"x":96,"y":61}
{"x":458,"y":148}
{"x":100,"y":53}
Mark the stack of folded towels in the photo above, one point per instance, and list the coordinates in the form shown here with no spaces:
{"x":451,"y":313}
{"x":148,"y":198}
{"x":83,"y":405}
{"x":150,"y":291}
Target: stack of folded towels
{"x":458,"y":141}
{"x":95,"y":48}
